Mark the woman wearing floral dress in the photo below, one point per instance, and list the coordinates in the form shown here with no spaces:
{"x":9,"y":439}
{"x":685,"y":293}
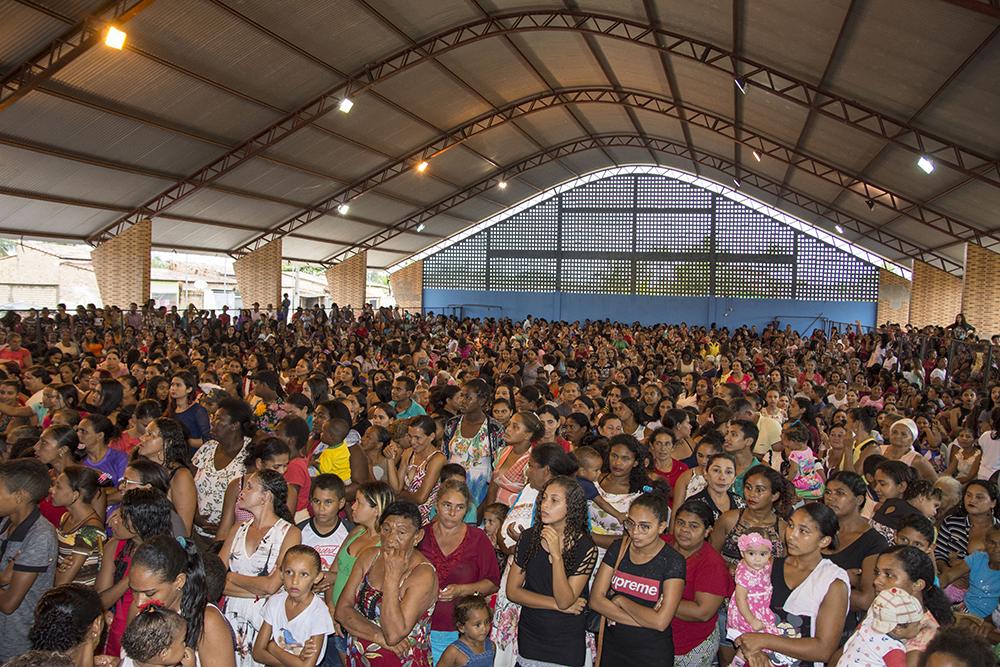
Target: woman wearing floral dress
{"x":388,"y":600}
{"x":221,"y":460}
{"x":473,"y":440}
{"x":253,"y":552}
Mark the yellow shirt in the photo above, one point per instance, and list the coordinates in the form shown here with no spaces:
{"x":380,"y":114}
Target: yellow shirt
{"x":336,"y":460}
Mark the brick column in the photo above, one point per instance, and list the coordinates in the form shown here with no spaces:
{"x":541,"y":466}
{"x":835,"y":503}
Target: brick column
{"x":348,"y":281}
{"x":407,"y":286}
{"x":258,"y":275}
{"x":893,"y":298}
{"x":981,"y":289}
{"x":122,"y":266}
{"x":935,"y":296}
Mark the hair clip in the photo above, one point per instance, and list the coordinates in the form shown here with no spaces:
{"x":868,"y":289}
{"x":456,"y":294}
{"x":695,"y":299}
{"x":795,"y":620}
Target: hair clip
{"x":151,"y":606}
{"x":181,"y":540}
{"x":647,"y":489}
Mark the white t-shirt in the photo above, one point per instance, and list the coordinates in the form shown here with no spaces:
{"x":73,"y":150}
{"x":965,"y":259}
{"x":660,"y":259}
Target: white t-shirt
{"x":990,"y":461}
{"x":291,"y":635}
{"x":326,"y":544}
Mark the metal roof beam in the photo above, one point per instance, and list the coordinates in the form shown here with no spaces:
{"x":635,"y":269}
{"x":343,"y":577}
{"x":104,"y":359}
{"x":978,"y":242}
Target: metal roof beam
{"x":66,"y":48}
{"x":757,"y":75}
{"x":764,"y":146}
{"x":904,"y":247}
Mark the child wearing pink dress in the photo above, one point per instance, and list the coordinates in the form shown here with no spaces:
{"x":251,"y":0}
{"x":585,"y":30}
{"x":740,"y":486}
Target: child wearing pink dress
{"x":750,"y":606}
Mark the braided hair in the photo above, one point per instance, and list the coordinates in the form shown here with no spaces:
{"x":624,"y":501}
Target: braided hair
{"x":274,"y":482}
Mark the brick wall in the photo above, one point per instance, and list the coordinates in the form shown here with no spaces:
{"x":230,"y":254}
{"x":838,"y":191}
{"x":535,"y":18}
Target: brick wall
{"x":935,"y":296}
{"x":407,"y":286}
{"x":981,"y":289}
{"x":122,"y":266}
{"x":258,"y":276}
{"x":347,"y":281}
{"x":893,"y":298}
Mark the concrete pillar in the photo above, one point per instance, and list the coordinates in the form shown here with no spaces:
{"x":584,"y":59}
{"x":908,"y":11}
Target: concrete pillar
{"x":348,"y":281}
{"x":893,"y":298}
{"x":258,"y":275}
{"x":935,"y":296}
{"x":122,"y":266}
{"x":407,"y":287}
{"x":981,"y":289}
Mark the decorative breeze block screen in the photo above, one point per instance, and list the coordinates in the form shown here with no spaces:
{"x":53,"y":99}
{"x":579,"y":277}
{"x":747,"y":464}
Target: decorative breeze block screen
{"x":827,"y":274}
{"x":461,"y":266}
{"x":596,"y":276}
{"x":523,"y":274}
{"x":650,"y":235}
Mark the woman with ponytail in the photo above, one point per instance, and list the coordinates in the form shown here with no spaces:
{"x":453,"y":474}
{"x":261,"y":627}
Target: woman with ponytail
{"x":171,"y":571}
{"x":253,"y":552}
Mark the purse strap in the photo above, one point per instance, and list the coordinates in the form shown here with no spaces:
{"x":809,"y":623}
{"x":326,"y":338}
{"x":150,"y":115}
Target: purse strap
{"x":600,"y":632}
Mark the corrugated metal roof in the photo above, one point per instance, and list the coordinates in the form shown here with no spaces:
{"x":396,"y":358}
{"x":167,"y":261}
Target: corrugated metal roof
{"x":39,"y":117}
{"x":894,"y":55}
{"x":131,"y":81}
{"x":26,"y":215}
{"x":205,"y":38}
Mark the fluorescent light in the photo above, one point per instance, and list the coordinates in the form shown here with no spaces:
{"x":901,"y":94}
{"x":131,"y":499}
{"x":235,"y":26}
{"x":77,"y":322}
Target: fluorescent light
{"x":422,"y":167}
{"x":502,"y":185}
{"x":737,"y":182}
{"x":114,"y":38}
{"x":756,"y":156}
{"x":925,"y":164}
{"x":346,"y":105}
{"x":840,"y":230}
{"x":421,"y":227}
{"x":343,"y":209}
{"x":742,"y":86}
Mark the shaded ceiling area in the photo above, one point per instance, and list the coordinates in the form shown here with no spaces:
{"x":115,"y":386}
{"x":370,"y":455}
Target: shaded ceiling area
{"x":222,"y":120}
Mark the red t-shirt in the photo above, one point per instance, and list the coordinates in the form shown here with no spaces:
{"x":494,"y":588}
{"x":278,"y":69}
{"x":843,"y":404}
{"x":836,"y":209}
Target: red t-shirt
{"x":473,"y":560}
{"x":676,"y":470}
{"x":21,"y":356}
{"x":297,"y":473}
{"x":706,"y":573}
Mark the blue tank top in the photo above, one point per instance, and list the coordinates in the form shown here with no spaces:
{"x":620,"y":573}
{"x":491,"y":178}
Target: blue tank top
{"x":484,"y":659}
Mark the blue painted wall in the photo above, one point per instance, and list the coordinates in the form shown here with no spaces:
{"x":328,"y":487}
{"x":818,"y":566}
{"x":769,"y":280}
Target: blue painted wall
{"x":649,"y":309}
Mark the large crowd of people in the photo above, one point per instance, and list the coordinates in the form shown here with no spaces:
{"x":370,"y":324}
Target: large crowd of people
{"x":376,"y":488}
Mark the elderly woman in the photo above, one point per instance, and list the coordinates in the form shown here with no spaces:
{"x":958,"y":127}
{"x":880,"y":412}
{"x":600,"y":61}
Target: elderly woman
{"x":464,"y":558}
{"x":387,"y":602}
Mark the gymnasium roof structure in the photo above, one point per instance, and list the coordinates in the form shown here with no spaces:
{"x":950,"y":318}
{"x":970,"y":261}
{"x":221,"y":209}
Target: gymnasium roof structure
{"x":225,"y":121}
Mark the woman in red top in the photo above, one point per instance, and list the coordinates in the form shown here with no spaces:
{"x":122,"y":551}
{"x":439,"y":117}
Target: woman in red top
{"x":706,"y":586}
{"x":665,"y":466}
{"x":463,"y":557}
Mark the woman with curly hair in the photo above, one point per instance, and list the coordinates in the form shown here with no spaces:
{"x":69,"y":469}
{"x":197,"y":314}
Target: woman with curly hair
{"x":549,"y":576}
{"x":164,"y":443}
{"x":253,"y":551}
{"x":69,"y":619}
{"x":626,"y":472}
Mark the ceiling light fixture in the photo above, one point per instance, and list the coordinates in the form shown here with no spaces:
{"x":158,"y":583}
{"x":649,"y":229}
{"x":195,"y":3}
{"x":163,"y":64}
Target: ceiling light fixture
{"x":756,"y":156}
{"x":421,"y":227}
{"x":737,"y":182}
{"x":870,"y":203}
{"x":840,"y":230}
{"x":114,"y":38}
{"x":925,"y":163}
{"x":346,"y":105}
{"x":502,"y":185}
{"x":343,"y":209}
{"x":422,"y":167}
{"x":742,"y":85}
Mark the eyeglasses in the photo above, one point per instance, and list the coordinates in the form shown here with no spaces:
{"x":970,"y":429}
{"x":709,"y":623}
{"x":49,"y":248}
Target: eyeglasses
{"x":125,"y":482}
{"x":636,"y":527}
